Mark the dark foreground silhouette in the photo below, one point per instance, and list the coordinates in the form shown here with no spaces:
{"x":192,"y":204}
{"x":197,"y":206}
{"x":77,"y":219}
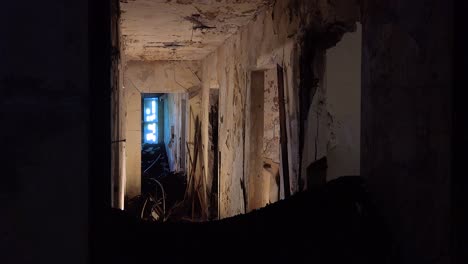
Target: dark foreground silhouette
{"x":335,"y":223}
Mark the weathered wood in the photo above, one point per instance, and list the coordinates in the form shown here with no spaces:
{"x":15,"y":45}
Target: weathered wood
{"x":283,"y":133}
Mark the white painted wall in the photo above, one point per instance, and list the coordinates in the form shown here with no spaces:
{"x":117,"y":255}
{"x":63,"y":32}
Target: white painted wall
{"x":343,"y":86}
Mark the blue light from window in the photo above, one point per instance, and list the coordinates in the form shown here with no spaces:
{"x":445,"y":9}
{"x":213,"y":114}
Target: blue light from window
{"x":150,"y":126}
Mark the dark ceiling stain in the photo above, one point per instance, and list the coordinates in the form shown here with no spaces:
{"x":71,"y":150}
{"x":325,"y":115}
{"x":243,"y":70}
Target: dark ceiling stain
{"x":185,"y":2}
{"x":197,"y":23}
{"x":172,"y":45}
{"x":165,"y":45}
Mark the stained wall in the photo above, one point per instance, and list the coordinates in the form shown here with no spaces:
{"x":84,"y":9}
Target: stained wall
{"x":173,"y":126}
{"x":273,"y":37}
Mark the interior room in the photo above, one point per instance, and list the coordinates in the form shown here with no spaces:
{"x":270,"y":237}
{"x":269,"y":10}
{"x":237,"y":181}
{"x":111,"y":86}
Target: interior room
{"x":236,"y":123}
{"x":212,"y":131}
{"x":266,"y":101}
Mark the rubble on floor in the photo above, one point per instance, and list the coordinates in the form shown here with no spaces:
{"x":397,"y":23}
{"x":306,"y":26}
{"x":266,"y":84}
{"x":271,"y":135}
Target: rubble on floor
{"x":162,"y":191}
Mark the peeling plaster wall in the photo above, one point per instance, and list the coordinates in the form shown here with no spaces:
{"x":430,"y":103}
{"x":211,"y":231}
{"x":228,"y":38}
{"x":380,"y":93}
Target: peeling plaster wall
{"x":151,"y":77}
{"x":272,"y":38}
{"x":229,"y":68}
{"x":162,"y":76}
{"x":186,"y":30}
{"x":271,"y":137}
{"x":271,"y":128}
{"x":173,"y":122}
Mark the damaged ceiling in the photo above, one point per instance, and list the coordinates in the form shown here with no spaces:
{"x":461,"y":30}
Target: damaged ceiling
{"x":182,"y":29}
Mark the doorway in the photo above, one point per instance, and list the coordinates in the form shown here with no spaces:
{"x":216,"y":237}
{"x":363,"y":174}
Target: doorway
{"x":262,"y":143}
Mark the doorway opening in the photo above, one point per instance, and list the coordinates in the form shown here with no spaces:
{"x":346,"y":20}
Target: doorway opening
{"x":161,"y":172}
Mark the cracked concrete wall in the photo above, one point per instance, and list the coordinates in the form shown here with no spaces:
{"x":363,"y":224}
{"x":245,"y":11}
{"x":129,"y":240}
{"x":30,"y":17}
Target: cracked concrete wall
{"x":151,"y":77}
{"x":272,"y":38}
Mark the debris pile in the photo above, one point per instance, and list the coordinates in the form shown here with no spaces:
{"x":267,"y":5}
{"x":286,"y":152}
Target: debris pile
{"x":161,"y":190}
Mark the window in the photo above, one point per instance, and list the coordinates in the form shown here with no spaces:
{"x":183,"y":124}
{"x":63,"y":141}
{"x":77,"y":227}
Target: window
{"x":150,"y":120}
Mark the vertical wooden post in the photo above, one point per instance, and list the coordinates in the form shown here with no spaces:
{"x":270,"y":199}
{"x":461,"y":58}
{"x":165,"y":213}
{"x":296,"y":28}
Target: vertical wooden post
{"x":283,"y":133}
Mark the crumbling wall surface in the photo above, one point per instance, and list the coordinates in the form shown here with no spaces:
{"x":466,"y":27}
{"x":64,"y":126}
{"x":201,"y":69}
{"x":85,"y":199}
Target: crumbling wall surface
{"x":172,"y":128}
{"x":271,"y":125}
{"x":321,"y":31}
{"x":151,"y":77}
{"x":209,"y":81}
{"x":273,"y":37}
{"x":271,"y":137}
{"x":406,"y":122}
